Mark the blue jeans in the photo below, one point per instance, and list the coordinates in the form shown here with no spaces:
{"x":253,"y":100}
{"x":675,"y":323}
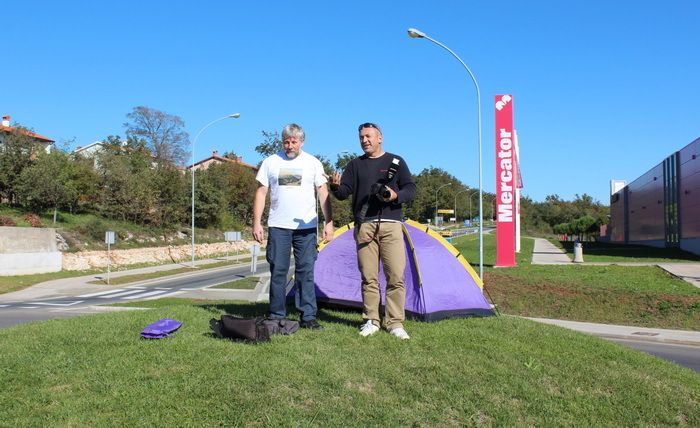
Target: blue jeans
{"x":279,"y":244}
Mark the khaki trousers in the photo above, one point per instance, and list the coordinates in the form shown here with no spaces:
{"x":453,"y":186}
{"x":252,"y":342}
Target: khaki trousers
{"x":388,"y":246}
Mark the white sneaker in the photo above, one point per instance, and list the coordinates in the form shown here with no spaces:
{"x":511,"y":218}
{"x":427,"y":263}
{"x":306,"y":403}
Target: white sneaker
{"x":400,"y":333}
{"x":368,"y":329}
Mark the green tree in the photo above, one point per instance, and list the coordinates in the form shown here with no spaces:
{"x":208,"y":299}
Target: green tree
{"x":224,"y":196}
{"x":126,"y":191}
{"x":83,"y":184}
{"x":343,"y":159}
{"x":162,"y":133}
{"x":171,"y":197}
{"x":584,"y":226}
{"x":231,"y":155}
{"x":46,"y":182}
{"x":428,"y":181}
{"x":271,"y":144}
{"x":17,"y":152}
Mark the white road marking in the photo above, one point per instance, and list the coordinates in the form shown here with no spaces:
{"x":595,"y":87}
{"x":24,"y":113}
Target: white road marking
{"x":102,"y":293}
{"x":59,"y":304}
{"x":138,"y":296}
{"x":123,"y":293}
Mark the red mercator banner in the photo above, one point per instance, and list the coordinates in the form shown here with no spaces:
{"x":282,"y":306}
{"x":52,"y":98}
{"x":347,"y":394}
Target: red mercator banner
{"x":506,"y":182}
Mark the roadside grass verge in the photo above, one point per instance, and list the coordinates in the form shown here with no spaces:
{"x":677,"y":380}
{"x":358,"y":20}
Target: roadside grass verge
{"x":126,"y":279}
{"x":496,"y":371}
{"x":9,"y":284}
{"x":247,"y":283}
{"x":605,"y":252}
{"x":19,"y":282}
{"x":628,"y":295}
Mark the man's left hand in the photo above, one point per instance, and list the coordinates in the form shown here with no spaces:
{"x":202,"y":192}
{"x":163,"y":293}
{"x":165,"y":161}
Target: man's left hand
{"x":392,"y":195}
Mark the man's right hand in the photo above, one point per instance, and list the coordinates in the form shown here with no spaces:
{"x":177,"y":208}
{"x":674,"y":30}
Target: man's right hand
{"x":333,"y":179}
{"x":258,"y":233}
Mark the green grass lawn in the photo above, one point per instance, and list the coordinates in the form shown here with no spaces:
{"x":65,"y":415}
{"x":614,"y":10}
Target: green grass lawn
{"x":247,"y":283}
{"x":127,"y":279}
{"x":627,"y":295}
{"x":604,"y":252}
{"x":9,"y":284}
{"x":496,"y":371}
{"x":19,"y":282}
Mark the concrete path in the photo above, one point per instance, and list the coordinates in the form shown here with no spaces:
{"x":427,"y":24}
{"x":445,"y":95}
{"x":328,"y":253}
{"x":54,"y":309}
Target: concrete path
{"x":689,"y":272}
{"x":546,"y":253}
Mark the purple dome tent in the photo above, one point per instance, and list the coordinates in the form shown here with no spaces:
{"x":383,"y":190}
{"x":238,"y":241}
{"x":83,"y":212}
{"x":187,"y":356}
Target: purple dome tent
{"x":439,"y":281}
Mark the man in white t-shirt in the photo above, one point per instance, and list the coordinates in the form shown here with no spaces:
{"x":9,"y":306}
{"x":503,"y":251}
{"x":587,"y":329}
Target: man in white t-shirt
{"x":292,"y":175}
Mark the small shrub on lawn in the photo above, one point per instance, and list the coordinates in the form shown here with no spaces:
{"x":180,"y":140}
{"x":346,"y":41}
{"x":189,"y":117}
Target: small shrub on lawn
{"x":33,"y":220}
{"x":7,"y":221}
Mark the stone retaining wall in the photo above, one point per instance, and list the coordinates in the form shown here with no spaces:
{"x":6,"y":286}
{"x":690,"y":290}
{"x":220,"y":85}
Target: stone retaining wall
{"x":98,"y":259}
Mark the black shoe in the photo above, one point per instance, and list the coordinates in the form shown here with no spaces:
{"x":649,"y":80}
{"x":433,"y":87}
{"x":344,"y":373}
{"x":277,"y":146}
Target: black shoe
{"x":311,"y":324}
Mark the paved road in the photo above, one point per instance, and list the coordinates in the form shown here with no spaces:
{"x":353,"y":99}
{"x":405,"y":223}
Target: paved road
{"x":63,"y":303}
{"x":683,"y":355}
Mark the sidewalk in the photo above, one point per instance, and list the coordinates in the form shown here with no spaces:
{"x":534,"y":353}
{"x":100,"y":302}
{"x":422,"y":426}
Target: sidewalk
{"x":546,"y":253}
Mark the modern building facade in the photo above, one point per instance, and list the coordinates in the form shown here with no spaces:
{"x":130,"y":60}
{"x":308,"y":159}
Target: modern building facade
{"x":662,"y":207}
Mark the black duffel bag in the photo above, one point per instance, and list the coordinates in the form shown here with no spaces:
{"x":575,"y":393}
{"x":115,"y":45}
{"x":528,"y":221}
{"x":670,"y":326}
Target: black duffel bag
{"x":252,"y":330}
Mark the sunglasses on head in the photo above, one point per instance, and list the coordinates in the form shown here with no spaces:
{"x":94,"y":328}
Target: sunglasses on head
{"x":368,"y":125}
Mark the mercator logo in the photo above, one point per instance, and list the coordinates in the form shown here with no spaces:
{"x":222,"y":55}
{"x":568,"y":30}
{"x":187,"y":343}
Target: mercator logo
{"x":505,"y":99}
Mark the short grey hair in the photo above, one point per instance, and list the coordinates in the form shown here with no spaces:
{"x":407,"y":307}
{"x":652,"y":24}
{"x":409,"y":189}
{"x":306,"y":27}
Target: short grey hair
{"x":293,"y":130}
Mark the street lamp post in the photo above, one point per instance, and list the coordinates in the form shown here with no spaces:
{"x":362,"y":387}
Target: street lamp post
{"x":230,"y":116}
{"x":412,"y":32}
{"x":461,"y":191}
{"x":436,"y":201}
{"x":470,"y":204}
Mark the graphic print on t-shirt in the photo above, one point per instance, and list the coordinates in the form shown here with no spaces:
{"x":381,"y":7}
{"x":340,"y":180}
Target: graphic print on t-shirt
{"x":289,"y":177}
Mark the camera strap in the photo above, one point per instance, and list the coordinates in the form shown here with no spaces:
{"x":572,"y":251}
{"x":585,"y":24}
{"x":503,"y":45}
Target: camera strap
{"x":390,"y":174}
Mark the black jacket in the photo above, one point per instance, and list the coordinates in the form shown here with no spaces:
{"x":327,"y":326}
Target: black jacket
{"x":357,"y":180}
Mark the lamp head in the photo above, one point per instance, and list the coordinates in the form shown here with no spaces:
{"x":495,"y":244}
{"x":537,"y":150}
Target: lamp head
{"x":234,"y":115}
{"x":416,"y":34}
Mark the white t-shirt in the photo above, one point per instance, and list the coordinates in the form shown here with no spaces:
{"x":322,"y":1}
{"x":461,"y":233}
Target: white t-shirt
{"x":292,"y":184}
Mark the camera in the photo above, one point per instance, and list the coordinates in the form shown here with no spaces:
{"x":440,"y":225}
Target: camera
{"x":380,"y":188}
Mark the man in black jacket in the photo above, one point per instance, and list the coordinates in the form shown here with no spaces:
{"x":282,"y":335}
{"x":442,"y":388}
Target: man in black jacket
{"x":379,"y":183}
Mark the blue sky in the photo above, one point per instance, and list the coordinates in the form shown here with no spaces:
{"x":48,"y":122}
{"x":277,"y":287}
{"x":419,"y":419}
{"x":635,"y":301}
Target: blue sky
{"x":602,"y":89}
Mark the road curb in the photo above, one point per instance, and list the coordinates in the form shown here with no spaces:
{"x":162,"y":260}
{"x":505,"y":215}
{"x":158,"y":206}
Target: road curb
{"x":644,"y":334}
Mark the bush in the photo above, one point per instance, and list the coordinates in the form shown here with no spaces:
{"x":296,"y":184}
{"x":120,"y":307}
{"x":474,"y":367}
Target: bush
{"x":93,"y":228}
{"x":33,"y":220}
{"x":228,"y":222}
{"x":7,"y":221}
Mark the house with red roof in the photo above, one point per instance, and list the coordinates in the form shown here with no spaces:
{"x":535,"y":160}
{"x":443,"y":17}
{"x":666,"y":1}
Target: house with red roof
{"x":6,"y":129}
{"x":216,"y":158}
